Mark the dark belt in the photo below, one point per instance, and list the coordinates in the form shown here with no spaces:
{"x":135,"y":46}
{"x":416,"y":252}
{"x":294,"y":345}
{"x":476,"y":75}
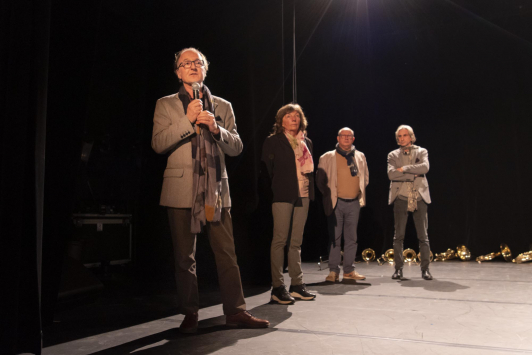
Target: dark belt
{"x":348,"y":200}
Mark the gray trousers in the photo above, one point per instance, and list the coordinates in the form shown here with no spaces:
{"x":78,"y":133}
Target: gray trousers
{"x":344,"y":220}
{"x":223,"y":246}
{"x":288,"y":216}
{"x":421,"y":221}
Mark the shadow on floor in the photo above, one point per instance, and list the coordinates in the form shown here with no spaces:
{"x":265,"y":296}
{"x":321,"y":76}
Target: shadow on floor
{"x":212,"y":336}
{"x":338,"y":288}
{"x":433,"y":285}
{"x":126,"y":301}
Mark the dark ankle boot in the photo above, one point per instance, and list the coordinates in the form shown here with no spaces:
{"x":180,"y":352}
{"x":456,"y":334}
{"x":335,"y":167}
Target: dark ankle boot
{"x":398,"y":275}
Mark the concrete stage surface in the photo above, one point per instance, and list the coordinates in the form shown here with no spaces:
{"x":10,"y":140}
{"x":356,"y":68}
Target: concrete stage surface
{"x":468,"y":308}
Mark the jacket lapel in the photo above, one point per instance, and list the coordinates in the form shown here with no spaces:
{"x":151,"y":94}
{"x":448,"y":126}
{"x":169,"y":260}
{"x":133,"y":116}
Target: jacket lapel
{"x":414,"y":155}
{"x":359,"y":161}
{"x":179,"y":103}
{"x":214,"y":105}
{"x":284,"y":140}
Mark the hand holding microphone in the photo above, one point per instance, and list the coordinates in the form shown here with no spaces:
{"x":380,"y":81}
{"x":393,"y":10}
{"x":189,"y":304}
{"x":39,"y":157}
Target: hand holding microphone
{"x":203,"y":117}
{"x":195,"y":107}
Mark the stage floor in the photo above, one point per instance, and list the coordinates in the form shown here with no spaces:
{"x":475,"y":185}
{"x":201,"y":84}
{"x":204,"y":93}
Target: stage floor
{"x":468,"y":308}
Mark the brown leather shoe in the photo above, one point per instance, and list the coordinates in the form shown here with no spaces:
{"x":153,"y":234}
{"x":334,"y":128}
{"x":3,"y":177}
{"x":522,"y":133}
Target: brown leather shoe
{"x":332,"y":277}
{"x":353,"y":275}
{"x":247,"y":320}
{"x":189,"y":324}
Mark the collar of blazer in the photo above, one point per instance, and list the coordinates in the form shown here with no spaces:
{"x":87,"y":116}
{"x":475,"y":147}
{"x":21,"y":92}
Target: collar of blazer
{"x":331,"y":158}
{"x":414,"y":153}
{"x":282,"y":139}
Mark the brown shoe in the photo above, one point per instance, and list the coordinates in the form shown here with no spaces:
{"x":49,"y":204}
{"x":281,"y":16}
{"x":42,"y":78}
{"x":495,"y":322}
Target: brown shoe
{"x":332,"y":277}
{"x":247,"y":320}
{"x":189,"y":324}
{"x":353,"y":275}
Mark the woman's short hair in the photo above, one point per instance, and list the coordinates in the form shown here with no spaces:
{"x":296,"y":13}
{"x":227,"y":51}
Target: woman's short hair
{"x":202,"y":56}
{"x":283,"y":111}
{"x":410,"y":132}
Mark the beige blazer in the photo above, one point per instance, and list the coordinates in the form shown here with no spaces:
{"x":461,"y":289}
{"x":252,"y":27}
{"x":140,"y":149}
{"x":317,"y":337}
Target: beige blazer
{"x":420,"y":167}
{"x":327,"y":179}
{"x":171,"y":135}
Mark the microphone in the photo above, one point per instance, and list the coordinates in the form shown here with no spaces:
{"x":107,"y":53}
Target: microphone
{"x":195,"y":93}
{"x":195,"y":90}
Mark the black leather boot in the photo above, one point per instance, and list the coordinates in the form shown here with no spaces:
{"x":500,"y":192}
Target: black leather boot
{"x":398,"y":275}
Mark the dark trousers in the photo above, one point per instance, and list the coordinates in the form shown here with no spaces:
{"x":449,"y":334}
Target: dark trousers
{"x":421,"y":222}
{"x":223,"y":246}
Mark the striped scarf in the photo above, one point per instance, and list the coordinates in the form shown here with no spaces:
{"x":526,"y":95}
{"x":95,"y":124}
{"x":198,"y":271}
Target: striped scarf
{"x":207,"y":172}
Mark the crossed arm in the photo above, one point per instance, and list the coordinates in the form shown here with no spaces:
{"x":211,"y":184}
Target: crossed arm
{"x":396,"y":172}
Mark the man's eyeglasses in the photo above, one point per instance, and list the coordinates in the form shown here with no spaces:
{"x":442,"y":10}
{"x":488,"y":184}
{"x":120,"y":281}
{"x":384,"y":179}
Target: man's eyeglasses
{"x":187,"y":64}
{"x":346,"y":135}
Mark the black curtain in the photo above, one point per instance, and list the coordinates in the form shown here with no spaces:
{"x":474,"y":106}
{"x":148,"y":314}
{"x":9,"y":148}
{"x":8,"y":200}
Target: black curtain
{"x":23,"y":89}
{"x":458,"y":73}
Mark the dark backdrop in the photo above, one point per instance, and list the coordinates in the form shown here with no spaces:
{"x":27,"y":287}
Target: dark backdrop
{"x":24,"y":43}
{"x":458,"y":72}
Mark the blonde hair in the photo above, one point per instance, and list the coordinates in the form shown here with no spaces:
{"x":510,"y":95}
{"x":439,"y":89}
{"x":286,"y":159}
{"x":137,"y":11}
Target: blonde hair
{"x":410,"y":132}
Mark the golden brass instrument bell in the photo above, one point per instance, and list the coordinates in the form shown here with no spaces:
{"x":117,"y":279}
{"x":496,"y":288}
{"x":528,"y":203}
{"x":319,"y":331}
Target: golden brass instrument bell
{"x":463,"y":253}
{"x":523,"y":257}
{"x":488,"y":257}
{"x":431,"y":257}
{"x":409,"y":255}
{"x":446,"y":255}
{"x":506,"y":252}
{"x":368,"y":255}
{"x":387,"y":257}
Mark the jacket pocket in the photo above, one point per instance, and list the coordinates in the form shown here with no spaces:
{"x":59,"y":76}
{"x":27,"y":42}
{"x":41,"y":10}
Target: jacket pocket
{"x":176,"y":173}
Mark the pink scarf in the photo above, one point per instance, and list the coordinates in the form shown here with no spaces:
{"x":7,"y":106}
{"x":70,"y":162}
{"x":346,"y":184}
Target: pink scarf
{"x":303,"y":156}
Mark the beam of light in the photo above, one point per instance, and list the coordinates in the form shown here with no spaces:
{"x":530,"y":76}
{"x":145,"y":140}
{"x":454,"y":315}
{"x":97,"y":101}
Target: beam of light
{"x":280,"y":90}
{"x":491,"y":25}
{"x":363,"y":30}
{"x":314,"y":29}
{"x":159,"y":343}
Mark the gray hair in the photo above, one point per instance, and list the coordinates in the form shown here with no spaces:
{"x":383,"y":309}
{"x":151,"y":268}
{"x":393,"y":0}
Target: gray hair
{"x":346,"y":129}
{"x":202,"y":56}
{"x":410,"y":132}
